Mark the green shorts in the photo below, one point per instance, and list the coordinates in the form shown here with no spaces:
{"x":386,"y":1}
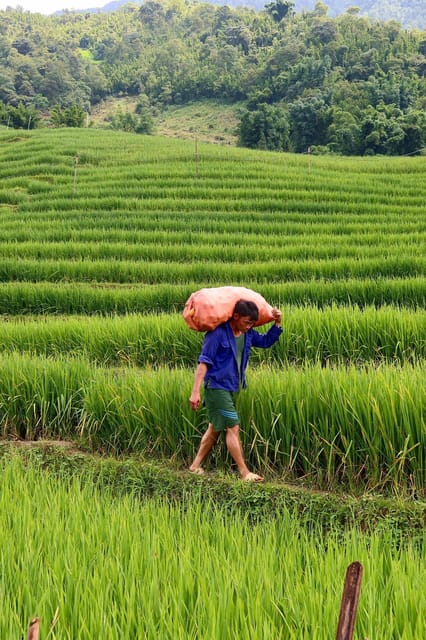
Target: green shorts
{"x":220,"y":405}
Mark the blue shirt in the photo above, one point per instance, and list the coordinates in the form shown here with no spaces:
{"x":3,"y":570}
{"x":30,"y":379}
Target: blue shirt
{"x":219,"y":353}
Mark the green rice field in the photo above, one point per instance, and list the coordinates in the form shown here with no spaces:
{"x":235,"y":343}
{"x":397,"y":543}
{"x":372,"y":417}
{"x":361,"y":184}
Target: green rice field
{"x":114,"y":567}
{"x":103,"y":237}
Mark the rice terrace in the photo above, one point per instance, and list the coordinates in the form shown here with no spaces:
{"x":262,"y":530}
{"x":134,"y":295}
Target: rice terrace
{"x":104,"y":533}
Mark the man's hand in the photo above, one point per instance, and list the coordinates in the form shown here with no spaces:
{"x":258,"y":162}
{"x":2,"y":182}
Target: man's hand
{"x":276,"y":314}
{"x":195,"y":400}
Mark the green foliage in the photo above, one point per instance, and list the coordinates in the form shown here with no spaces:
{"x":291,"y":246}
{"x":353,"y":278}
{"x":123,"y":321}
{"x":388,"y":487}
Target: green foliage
{"x":309,"y":229}
{"x":279,"y":9}
{"x":357,"y":426}
{"x":115,"y":562}
{"x":410,"y":13}
{"x":309,"y":120}
{"x":333,"y":335}
{"x":312,"y":67}
{"x":72,"y":116}
{"x":19,"y":117}
{"x":133,"y":123}
{"x":140,"y":224}
{"x":265,"y":128}
{"x":144,"y":479}
{"x":387,"y":130}
{"x":344,"y":133}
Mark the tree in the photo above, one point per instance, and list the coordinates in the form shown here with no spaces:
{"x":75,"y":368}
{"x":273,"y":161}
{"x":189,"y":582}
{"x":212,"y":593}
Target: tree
{"x":7,"y":87}
{"x":56,"y":81}
{"x":382,"y":130}
{"x":97,"y":83}
{"x":279,"y":9}
{"x":310,"y":118}
{"x":324,"y":30}
{"x":319,"y":73}
{"x":3,"y":114}
{"x":143,"y":110}
{"x":21,"y":117}
{"x":152,"y":14}
{"x":264,"y":128}
{"x":343,"y":135}
{"x":238,"y":35}
{"x":320,"y":9}
{"x":72,"y":116}
{"x":132,"y":123}
{"x":414,"y":127}
{"x":5,"y":47}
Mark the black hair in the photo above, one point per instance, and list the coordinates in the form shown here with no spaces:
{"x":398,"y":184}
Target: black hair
{"x":247,"y":308}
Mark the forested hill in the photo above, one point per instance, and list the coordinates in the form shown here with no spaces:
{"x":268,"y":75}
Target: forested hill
{"x":410,"y":13}
{"x":301,"y":80}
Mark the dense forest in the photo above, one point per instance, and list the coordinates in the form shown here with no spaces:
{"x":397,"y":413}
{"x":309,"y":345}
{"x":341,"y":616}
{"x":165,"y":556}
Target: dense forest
{"x":410,"y":13}
{"x":308,"y":81}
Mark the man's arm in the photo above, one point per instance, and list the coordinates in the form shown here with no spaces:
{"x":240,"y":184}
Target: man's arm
{"x":266,"y":340}
{"x":200,"y":374}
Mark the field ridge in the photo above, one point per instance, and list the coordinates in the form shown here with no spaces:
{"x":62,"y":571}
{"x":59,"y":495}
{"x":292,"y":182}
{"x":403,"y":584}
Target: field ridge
{"x":158,"y":479}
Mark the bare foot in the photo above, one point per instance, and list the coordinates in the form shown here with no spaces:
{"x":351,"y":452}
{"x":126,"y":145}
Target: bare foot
{"x":252,"y":477}
{"x":198,"y":471}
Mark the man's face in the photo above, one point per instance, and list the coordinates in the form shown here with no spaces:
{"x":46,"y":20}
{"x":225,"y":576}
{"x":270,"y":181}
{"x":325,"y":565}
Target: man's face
{"x":243,"y":323}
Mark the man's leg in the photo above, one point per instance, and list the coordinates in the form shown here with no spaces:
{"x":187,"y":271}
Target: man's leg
{"x":233,"y":442}
{"x":207,"y":443}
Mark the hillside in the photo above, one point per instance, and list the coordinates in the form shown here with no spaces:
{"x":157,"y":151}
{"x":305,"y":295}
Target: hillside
{"x":284,"y":81}
{"x":204,"y":120}
{"x":104,"y":235}
{"x":409,"y":13}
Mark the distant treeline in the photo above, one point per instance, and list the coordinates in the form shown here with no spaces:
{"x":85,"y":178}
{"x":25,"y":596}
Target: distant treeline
{"x":308,"y":82}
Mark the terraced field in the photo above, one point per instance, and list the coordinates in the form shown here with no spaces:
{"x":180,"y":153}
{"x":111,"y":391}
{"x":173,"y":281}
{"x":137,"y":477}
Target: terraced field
{"x":103,"y":236}
{"x":124,"y":228}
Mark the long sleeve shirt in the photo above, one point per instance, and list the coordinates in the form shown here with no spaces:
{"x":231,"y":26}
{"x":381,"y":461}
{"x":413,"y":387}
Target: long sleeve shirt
{"x":220,"y":355}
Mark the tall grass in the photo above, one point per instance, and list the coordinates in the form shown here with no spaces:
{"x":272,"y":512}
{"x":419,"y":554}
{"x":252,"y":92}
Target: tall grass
{"x":129,"y":230}
{"x":171,"y":250}
{"x":208,"y":272}
{"x":275,"y":225}
{"x":358,"y":426}
{"x":42,"y":396}
{"x":144,"y":223}
{"x":116,"y":568}
{"x":18,"y":298}
{"x":330,"y":335}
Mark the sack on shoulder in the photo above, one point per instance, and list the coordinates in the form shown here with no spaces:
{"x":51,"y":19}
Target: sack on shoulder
{"x":207,"y":308}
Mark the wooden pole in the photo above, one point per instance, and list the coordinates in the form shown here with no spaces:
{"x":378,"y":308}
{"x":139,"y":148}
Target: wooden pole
{"x":349,"y":605}
{"x":34,"y":629}
{"x":76,"y":159}
{"x":196,"y":156}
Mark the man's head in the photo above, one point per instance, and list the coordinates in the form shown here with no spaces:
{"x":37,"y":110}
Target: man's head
{"x":245,"y":315}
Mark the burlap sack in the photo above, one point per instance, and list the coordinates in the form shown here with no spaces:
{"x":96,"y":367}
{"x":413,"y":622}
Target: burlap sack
{"x":207,"y":308}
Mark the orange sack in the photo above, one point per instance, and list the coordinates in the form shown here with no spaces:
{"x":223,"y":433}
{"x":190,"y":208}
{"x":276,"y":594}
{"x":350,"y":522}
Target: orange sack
{"x":208,"y":308}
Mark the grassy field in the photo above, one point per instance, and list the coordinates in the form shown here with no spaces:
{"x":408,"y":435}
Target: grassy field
{"x":124,"y":227}
{"x":205,"y":120}
{"x":103,"y":236}
{"x":114,"y":567}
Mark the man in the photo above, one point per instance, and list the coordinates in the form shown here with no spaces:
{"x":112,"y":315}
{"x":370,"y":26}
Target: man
{"x":221,"y":366}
